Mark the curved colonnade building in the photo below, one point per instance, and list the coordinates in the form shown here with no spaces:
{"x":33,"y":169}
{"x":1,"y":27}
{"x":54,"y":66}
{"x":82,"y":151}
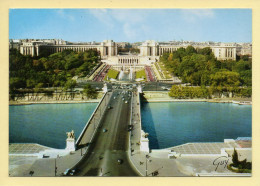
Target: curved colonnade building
{"x":105,"y":48}
{"x":150,"y":51}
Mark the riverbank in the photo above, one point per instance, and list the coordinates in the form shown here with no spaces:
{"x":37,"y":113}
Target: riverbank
{"x":162,"y":96}
{"x":60,"y":99}
{"x":53,"y":102}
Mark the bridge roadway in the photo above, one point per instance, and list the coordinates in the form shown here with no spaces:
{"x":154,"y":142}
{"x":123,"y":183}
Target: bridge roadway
{"x":108,"y":147}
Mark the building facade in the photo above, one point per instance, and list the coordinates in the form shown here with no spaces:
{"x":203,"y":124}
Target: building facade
{"x":105,"y":48}
{"x":223,"y":51}
{"x":150,"y":50}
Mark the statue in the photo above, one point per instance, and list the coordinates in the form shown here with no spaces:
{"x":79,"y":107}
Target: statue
{"x":70,"y":134}
{"x":70,"y":141}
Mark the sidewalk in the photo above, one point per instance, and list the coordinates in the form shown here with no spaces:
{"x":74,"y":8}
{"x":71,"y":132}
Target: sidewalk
{"x":43,"y":166}
{"x":161,"y":163}
{"x":190,"y":164}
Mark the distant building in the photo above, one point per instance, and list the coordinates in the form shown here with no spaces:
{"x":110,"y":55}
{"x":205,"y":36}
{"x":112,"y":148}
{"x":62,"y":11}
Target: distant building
{"x":34,"y":48}
{"x":122,"y":44}
{"x":150,"y":50}
{"x":244,"y":49}
{"x":223,"y":51}
{"x":14,"y":44}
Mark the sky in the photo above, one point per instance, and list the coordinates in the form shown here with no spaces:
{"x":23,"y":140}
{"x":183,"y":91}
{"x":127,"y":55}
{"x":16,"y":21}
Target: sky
{"x":132,"y":25}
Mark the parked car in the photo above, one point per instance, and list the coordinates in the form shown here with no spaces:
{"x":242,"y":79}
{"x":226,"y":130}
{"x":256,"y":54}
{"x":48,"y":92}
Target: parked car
{"x":72,"y":172}
{"x":66,"y":172}
{"x":119,"y":161}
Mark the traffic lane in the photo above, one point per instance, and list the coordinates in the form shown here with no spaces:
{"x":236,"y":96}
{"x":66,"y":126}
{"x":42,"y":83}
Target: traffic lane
{"x":112,"y":141}
{"x":120,"y":138}
{"x":104,"y":140}
{"x":110,"y":165}
{"x":101,"y":142}
{"x":109,"y":162}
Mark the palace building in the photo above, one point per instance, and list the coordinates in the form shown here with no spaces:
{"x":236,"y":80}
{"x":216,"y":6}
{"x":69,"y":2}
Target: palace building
{"x":150,"y":50}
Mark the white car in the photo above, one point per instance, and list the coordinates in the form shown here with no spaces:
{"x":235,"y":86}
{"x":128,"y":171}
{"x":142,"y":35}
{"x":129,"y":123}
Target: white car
{"x":66,"y":172}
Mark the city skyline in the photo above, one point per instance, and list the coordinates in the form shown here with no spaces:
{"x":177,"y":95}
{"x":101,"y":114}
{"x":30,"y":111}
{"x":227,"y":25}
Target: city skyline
{"x":132,"y":25}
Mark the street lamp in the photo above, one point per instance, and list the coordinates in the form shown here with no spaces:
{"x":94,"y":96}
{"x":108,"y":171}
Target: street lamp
{"x":147,"y":158}
{"x":55,"y":165}
{"x":94,"y":122}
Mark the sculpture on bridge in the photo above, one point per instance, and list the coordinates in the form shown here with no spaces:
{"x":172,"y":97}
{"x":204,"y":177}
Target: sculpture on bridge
{"x":105,"y":88}
{"x":70,"y":134}
{"x":70,"y":145}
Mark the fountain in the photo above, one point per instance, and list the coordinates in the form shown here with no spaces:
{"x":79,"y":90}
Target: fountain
{"x":121,"y":74}
{"x":131,"y":74}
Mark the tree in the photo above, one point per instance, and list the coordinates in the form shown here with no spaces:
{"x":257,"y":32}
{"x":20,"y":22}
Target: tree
{"x":243,"y":166}
{"x":190,"y":50}
{"x":225,"y":81}
{"x":70,"y":84}
{"x":235,"y":158}
{"x":14,"y":84}
{"x":89,"y":91}
{"x":181,"y":92}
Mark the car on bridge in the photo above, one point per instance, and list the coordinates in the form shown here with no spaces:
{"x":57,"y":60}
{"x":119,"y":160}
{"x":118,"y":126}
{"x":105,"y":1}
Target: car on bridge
{"x":119,"y":161}
{"x":66,"y":172}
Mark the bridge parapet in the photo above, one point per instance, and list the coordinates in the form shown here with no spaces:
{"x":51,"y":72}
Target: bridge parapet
{"x":139,"y":137}
{"x":87,"y":134}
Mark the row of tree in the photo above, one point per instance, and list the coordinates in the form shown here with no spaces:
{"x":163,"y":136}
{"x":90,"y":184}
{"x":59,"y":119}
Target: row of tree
{"x":187,"y":92}
{"x":56,"y":70}
{"x":67,"y":92}
{"x":201,"y":68}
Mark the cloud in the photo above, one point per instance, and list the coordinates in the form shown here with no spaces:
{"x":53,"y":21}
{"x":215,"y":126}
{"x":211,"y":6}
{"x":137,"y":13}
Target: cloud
{"x":129,"y":16}
{"x":103,"y":16}
{"x":65,"y":15}
{"x":129,"y":31}
{"x":129,"y":21}
{"x":192,"y":15}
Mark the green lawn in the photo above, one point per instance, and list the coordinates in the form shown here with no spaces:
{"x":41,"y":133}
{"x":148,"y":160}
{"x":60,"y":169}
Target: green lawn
{"x":167,"y":74}
{"x":111,"y":74}
{"x":140,"y":74}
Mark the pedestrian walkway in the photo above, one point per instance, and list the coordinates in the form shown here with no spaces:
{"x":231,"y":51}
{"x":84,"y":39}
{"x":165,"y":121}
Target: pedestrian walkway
{"x":147,"y":164}
{"x":26,"y":148}
{"x":192,"y":159}
{"x":30,"y":165}
{"x":202,"y":148}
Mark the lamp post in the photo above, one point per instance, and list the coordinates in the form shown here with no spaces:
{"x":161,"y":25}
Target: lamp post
{"x":146,"y":157}
{"x":55,"y":165}
{"x":94,"y":122}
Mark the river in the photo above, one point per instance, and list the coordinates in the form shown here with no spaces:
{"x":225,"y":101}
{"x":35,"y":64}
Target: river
{"x":175,"y":123}
{"x":168,"y":124}
{"x":47,"y":124}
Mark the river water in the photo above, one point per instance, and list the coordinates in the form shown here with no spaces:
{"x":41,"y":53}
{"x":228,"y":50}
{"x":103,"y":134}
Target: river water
{"x":47,"y":124}
{"x":175,"y":123}
{"x":168,"y":124}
